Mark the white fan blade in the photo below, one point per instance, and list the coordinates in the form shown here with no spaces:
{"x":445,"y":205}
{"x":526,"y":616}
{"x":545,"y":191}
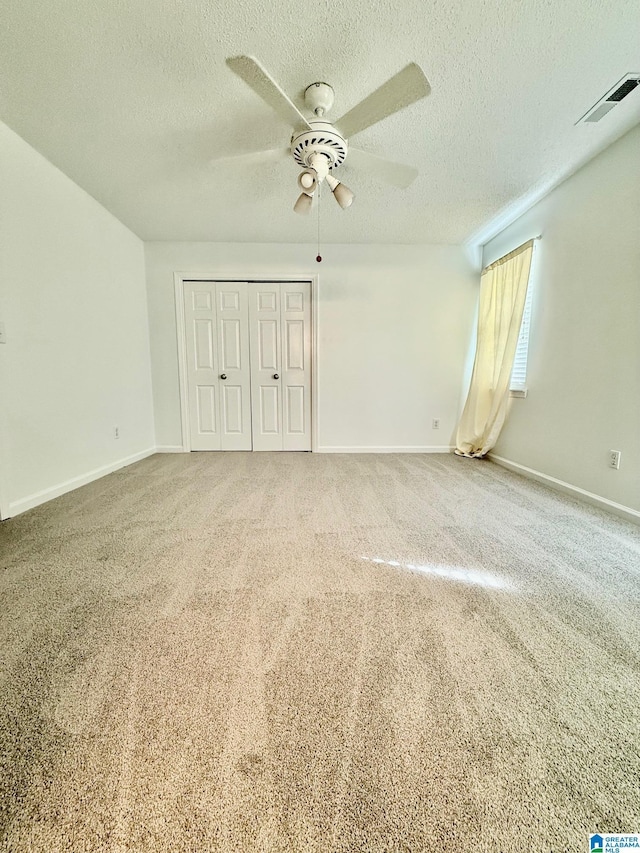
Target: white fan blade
{"x":407,"y":87}
{"x":255,"y":76}
{"x":250,"y":158}
{"x":396,"y":174}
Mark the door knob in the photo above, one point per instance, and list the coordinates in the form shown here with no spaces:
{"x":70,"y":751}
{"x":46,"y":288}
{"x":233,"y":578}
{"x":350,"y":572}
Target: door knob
{"x":223,"y":376}
{"x":276,"y":376}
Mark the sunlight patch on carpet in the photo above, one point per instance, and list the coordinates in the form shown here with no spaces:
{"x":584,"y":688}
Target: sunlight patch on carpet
{"x":476,"y":577}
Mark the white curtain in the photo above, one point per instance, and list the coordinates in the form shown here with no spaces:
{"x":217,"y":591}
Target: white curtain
{"x":503,"y":289}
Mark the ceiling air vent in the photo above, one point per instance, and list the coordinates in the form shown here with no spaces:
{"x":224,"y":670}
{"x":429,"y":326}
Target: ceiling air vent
{"x":613,"y":97}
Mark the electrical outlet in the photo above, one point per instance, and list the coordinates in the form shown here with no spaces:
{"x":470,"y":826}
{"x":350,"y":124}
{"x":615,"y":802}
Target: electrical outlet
{"x":116,"y":432}
{"x":435,"y":423}
{"x":614,"y":458}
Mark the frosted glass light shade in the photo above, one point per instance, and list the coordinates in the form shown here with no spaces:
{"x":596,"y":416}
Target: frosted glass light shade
{"x":303,"y":204}
{"x":342,"y":194}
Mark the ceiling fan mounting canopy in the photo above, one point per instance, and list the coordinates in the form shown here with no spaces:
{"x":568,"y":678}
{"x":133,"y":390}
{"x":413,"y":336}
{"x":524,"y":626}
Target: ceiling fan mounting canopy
{"x":319,"y":98}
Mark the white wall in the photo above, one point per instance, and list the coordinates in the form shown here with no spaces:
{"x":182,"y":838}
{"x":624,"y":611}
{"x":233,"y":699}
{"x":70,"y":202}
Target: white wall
{"x":393,"y":321}
{"x":77,"y":361}
{"x":584,"y":364}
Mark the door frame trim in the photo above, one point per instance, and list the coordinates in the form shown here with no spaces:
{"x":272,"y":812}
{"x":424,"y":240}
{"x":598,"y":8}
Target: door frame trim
{"x":179,"y":279}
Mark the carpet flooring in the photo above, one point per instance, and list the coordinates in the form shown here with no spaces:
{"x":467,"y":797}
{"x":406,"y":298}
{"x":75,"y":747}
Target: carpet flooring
{"x":297,"y":652}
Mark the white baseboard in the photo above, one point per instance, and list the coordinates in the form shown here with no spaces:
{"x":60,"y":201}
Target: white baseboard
{"x":169,"y":448}
{"x":575,"y":491}
{"x":16,"y":507}
{"x":401,"y":449}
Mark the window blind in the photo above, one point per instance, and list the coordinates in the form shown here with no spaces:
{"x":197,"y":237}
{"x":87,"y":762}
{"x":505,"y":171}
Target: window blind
{"x":519,"y":372}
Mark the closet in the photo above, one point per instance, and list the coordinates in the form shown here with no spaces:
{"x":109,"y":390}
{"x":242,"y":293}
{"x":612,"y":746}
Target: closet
{"x":248,"y":364}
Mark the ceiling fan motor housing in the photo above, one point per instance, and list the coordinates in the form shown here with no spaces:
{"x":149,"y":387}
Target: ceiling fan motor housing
{"x":323,"y":138}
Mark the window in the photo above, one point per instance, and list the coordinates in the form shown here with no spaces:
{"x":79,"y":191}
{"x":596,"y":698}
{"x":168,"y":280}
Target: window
{"x":518,"y":385}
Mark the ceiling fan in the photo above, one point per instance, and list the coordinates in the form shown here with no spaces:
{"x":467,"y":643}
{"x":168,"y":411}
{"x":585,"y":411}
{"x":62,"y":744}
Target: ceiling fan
{"x":319,"y":146}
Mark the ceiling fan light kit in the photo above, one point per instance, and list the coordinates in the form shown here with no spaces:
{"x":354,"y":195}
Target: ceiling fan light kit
{"x":319,"y":146}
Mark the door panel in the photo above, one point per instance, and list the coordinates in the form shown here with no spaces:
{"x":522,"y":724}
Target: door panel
{"x":295,"y":410}
{"x":216,"y":324}
{"x":229,"y":300}
{"x":233,"y":347}
{"x":203,"y":334}
{"x":265,"y":330}
{"x":268,"y":345}
{"x":233,"y":409}
{"x":293,"y":300}
{"x":269,"y":410}
{"x":294,"y":349}
{"x":202,"y":373}
{"x":206,"y":407}
{"x":201,"y":300}
{"x":296,"y":373}
{"x":280,"y":318}
{"x":267,"y":300}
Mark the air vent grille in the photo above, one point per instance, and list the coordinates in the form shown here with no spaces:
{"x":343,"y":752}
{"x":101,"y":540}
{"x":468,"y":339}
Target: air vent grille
{"x":613,"y":97}
{"x":622,"y":91}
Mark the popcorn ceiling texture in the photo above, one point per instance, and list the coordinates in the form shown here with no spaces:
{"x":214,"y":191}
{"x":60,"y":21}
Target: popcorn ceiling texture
{"x":133,"y":100}
{"x":196,"y":656}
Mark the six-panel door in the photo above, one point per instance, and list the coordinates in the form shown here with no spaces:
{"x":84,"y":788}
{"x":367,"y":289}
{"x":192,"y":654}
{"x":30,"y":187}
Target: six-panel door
{"x":280,"y":337}
{"x":266,"y":359}
{"x":249,"y":365}
{"x":295,"y":307}
{"x":218,"y":371}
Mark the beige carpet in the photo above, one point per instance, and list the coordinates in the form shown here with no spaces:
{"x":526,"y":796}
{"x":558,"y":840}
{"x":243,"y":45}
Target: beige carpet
{"x":295,"y":652}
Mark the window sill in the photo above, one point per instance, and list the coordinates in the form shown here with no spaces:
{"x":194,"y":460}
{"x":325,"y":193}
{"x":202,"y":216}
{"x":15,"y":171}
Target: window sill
{"x":518,"y":392}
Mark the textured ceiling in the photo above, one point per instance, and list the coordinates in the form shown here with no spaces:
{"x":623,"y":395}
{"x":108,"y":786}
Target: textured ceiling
{"x":133,"y":100}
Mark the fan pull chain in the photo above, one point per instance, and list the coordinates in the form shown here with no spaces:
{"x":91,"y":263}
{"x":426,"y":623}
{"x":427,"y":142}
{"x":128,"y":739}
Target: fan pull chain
{"x":319,"y":256}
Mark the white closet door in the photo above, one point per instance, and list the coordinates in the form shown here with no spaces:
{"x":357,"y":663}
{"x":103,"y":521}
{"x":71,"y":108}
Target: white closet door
{"x":233,"y":359}
{"x":280,"y":336}
{"x":202,"y":364}
{"x":295,"y":308}
{"x":217,"y":345}
{"x":266,"y":397}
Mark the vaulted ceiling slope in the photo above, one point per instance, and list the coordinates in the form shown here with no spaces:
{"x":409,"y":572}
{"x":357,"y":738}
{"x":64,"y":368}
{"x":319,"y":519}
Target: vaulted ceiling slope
{"x":133,"y":100}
